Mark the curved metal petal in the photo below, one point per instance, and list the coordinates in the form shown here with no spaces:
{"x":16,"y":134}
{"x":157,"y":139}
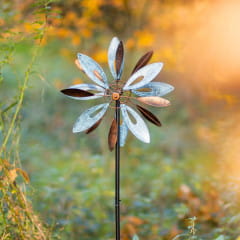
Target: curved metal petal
{"x":114,"y":47}
{"x":142,"y":61}
{"x":139,"y":129}
{"x":113,"y":135}
{"x":123,"y":133}
{"x":154,"y":101}
{"x":93,"y":70}
{"x":94,"y":126}
{"x":149,"y":116}
{"x":86,"y":119}
{"x":75,"y":92}
{"x":87,"y":87}
{"x":148,"y":73}
{"x":157,"y":89}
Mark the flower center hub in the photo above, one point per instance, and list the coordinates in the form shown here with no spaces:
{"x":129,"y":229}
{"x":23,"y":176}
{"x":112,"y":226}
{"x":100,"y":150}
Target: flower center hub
{"x":115,"y":96}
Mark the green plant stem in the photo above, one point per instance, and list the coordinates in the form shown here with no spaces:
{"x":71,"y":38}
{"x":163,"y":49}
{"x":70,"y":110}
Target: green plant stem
{"x":22,"y":94}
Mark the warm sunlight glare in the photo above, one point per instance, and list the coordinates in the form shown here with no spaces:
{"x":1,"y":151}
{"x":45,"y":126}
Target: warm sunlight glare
{"x":215,"y":43}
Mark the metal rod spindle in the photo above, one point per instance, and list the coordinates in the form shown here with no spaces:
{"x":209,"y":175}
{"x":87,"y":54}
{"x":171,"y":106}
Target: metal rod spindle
{"x":117,"y":173}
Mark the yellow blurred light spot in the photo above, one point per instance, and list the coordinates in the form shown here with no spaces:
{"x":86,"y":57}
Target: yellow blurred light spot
{"x":130,"y":43}
{"x":76,"y":40}
{"x":238,"y":238}
{"x":91,"y":7}
{"x":63,"y":32}
{"x":77,"y":81}
{"x":100,"y":56}
{"x":86,"y":33}
{"x":228,"y":98}
{"x":28,"y":27}
{"x":144,"y":38}
{"x":165,"y":55}
{"x":71,"y":17}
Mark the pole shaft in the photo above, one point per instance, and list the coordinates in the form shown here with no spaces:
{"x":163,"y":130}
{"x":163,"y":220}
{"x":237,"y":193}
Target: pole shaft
{"x":117,"y":174}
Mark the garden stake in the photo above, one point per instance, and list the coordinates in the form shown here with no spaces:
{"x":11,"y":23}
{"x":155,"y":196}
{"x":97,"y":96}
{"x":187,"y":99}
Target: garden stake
{"x":118,"y":95}
{"x":117,"y":173}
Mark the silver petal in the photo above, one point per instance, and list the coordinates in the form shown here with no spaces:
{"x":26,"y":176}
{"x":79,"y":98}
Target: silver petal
{"x":157,"y":89}
{"x":93,"y":70}
{"x":123,"y":133}
{"x":87,"y":87}
{"x":112,"y":50}
{"x":139,"y":129}
{"x":148,"y":73}
{"x":86,"y":120}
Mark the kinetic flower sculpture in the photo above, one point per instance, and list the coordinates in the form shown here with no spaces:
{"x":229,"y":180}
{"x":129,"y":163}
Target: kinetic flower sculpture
{"x":139,"y":88}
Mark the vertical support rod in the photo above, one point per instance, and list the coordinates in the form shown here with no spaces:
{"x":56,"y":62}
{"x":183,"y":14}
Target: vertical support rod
{"x":117,"y":173}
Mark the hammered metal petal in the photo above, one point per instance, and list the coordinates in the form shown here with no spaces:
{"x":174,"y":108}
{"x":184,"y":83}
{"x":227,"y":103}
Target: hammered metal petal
{"x":123,"y":133}
{"x":154,"y":101}
{"x":93,"y":70}
{"x":149,"y":116}
{"x":148,"y":73}
{"x":139,"y":129}
{"x":94,"y":126}
{"x":112,"y":52}
{"x":88,"y":87}
{"x":86,"y":119}
{"x":142,"y":61}
{"x":157,"y":89}
{"x":113,"y":135}
{"x":75,"y":92}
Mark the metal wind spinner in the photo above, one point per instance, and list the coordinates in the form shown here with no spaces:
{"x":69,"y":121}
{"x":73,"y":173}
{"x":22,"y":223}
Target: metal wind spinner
{"x":139,"y":88}
{"x":139,"y":84}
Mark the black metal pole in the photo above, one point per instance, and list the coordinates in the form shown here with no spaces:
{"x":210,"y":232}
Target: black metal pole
{"x":117,"y":173}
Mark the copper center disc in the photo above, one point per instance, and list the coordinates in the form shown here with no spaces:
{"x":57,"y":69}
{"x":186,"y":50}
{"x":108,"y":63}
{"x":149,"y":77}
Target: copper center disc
{"x":115,"y":96}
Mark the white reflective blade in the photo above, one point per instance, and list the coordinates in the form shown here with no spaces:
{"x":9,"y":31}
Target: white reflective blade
{"x":112,"y":50}
{"x":87,"y":118}
{"x":139,"y":129}
{"x":148,"y":73}
{"x":87,"y":87}
{"x":156,"y":89}
{"x":93,"y":70}
{"x":123,"y":133}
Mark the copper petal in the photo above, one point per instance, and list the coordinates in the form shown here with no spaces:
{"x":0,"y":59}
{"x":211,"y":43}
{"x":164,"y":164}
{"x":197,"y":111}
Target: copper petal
{"x":154,"y":101}
{"x":74,"y":92}
{"x":149,"y":116}
{"x":78,"y":65}
{"x":112,"y":135}
{"x":142,"y":61}
{"x":119,"y":57}
{"x":92,"y":128}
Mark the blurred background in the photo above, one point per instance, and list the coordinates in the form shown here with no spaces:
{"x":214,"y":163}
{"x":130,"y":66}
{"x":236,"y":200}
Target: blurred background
{"x":183,"y":185}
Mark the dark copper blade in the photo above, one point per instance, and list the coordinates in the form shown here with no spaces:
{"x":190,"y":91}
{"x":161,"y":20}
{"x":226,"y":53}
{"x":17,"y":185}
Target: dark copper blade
{"x":94,"y":126}
{"x":142,"y":61}
{"x":112,"y":135}
{"x":119,"y":57}
{"x":149,"y":116}
{"x":74,"y":92}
